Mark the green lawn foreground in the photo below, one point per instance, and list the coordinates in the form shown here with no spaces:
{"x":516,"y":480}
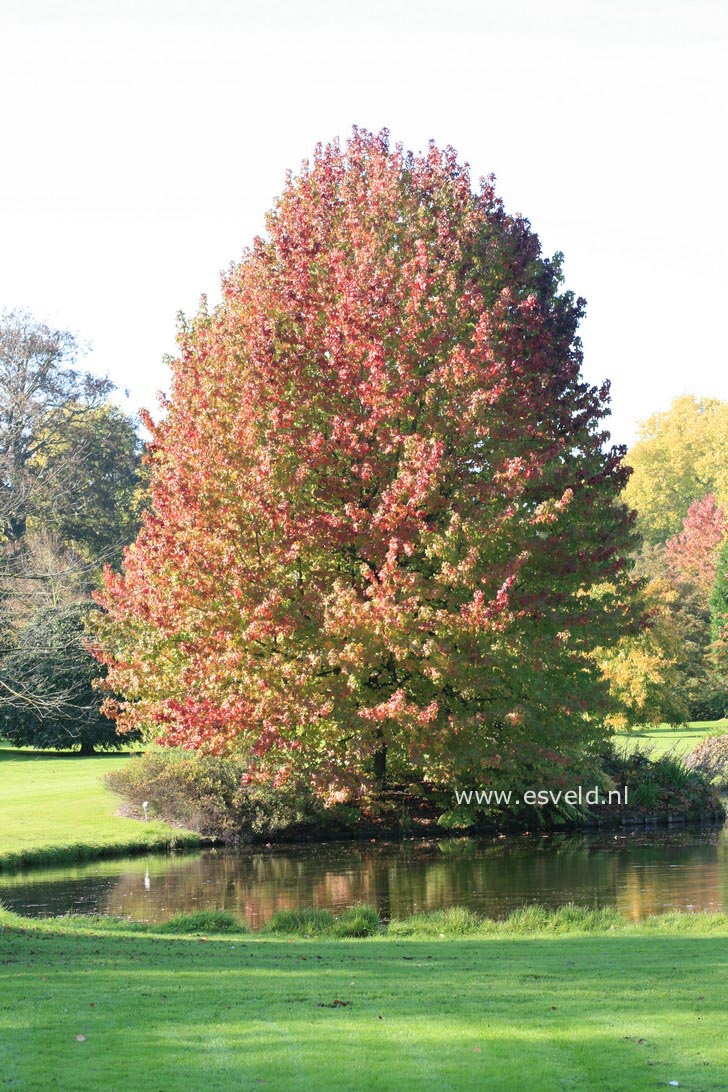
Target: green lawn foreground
{"x":54,"y":807}
{"x":102,"y":1005}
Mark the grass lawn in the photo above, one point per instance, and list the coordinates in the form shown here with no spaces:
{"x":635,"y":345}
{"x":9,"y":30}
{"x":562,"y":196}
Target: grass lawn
{"x":102,"y":1005}
{"x":54,"y":807}
{"x":680,"y":739}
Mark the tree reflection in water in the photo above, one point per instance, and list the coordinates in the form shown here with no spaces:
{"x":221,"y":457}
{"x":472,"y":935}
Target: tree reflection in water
{"x":639,"y":873}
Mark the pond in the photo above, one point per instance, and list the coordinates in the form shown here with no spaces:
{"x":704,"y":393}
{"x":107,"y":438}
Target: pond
{"x":638,"y":872}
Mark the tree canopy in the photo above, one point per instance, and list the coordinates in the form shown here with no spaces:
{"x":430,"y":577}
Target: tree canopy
{"x":68,"y":458}
{"x":40,"y":392}
{"x":669,"y":671}
{"x":681,"y":456}
{"x":51,"y":700}
{"x":386,"y":532}
{"x":69,"y":501}
{"x":96,"y":504}
{"x":692,"y":556}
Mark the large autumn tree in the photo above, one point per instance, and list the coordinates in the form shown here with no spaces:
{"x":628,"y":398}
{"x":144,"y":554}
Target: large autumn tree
{"x":386,"y":533}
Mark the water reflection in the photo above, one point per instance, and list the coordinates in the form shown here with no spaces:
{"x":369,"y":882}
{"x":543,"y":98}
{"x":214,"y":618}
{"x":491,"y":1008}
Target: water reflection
{"x":639,"y":873}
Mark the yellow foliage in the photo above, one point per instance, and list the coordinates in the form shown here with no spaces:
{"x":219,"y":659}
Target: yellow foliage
{"x":680,"y":456}
{"x":642,"y":671}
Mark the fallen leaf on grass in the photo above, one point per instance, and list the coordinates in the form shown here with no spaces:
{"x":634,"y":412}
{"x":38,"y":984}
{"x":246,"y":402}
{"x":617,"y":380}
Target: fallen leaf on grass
{"x":335,"y":1004}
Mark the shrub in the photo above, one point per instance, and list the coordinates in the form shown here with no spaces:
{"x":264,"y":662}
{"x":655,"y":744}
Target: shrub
{"x":658,"y":787}
{"x":203,"y":921}
{"x":528,"y":919}
{"x":459,"y":921}
{"x":455,"y":921}
{"x":571,"y":916}
{"x":301,"y":922}
{"x":207,"y":793}
{"x":710,"y":758}
{"x":359,"y":921}
{"x":568,"y":918}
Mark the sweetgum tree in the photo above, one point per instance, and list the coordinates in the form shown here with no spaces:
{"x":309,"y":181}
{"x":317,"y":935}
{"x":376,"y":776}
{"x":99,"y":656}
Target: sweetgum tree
{"x":385,"y":535}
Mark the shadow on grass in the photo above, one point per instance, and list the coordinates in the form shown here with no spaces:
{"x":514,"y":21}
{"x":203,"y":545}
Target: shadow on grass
{"x":616,"y":1012}
{"x":14,"y":754}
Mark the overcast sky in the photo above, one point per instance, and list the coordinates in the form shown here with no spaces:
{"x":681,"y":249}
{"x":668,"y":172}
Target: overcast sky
{"x":142,"y":143}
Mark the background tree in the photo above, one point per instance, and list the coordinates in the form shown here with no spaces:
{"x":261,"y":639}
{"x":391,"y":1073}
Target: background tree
{"x":691,"y":565}
{"x":719,"y":621}
{"x":51,"y":700}
{"x":97,"y":507}
{"x":719,"y":596}
{"x":680,"y":457}
{"x":40,"y":394}
{"x":699,"y":685}
{"x":44,"y":573}
{"x":381,"y":497}
{"x":692,"y":556}
{"x":646,"y":672}
{"x":70,"y":494}
{"x":681,"y":682}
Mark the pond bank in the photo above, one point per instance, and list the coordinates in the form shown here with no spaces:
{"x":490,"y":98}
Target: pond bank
{"x":55,"y":810}
{"x":210,"y":793}
{"x":633,"y":872}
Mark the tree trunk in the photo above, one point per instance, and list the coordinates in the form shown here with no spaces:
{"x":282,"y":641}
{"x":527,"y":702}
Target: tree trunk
{"x":380,"y":761}
{"x":87,"y":748}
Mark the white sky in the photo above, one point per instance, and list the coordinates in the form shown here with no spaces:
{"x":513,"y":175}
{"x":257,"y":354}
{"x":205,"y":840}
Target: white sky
{"x":143,"y":140}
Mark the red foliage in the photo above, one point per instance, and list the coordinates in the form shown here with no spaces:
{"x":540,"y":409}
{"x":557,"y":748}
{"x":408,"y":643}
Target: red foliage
{"x":692,"y":556}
